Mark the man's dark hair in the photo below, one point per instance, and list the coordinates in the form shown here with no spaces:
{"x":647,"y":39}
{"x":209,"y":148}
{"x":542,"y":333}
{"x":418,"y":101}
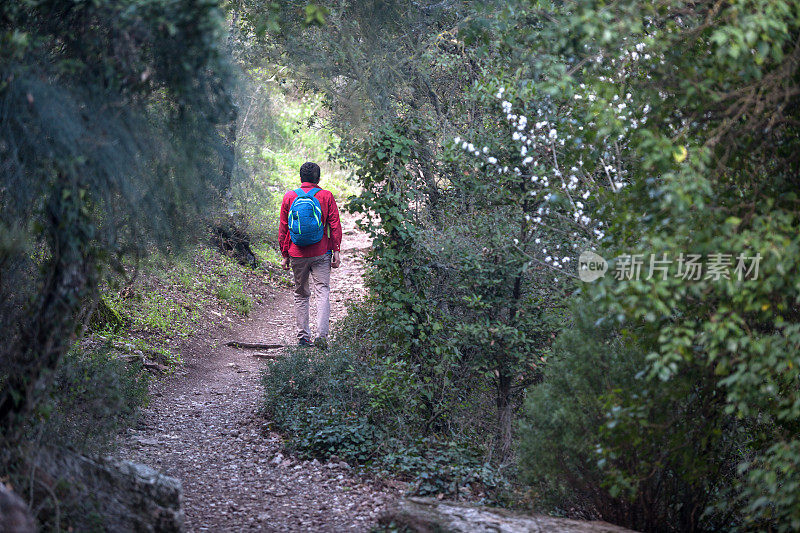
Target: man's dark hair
{"x":309,"y":172}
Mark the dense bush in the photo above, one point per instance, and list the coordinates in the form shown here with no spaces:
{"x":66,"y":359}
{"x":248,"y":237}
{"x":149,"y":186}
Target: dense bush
{"x":327,"y":404}
{"x":109,"y":145}
{"x":708,"y":161}
{"x":93,"y":395}
{"x":571,"y":421}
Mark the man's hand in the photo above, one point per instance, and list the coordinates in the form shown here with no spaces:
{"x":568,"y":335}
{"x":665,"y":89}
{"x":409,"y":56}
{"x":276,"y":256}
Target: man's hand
{"x":285,"y":264}
{"x":336,"y":261}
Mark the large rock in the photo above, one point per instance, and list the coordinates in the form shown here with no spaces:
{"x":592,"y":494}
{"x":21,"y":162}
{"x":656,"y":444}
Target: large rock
{"x":426,"y":515}
{"x":126,"y":496}
{"x":14,"y":514}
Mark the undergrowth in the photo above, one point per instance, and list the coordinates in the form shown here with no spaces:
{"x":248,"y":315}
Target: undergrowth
{"x":322,"y":402}
{"x":171,"y":296}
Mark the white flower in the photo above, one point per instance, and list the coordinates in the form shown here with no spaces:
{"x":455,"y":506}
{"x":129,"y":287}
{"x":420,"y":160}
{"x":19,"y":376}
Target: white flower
{"x":523,"y":151}
{"x":527,"y":160}
{"x":471,"y":147}
{"x":553,"y":134}
{"x":585,"y":195}
{"x":485,"y":149}
{"x":492,"y":160}
{"x":516,"y":136}
{"x":457,"y":140}
{"x":464,"y":145}
{"x":537,"y":240}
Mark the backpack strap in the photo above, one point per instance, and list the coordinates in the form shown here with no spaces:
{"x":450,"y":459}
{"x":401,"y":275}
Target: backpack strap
{"x":310,"y":194}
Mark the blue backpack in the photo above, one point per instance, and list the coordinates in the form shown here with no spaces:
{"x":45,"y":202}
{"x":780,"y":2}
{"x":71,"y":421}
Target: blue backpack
{"x":305,"y":218}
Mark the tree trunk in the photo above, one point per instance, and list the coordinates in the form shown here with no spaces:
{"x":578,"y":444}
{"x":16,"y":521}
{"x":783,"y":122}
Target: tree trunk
{"x":504,"y":418}
{"x":51,"y":329}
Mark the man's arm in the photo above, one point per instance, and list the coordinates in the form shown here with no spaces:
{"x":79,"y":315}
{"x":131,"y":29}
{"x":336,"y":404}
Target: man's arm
{"x":336,"y":232}
{"x":283,"y":230}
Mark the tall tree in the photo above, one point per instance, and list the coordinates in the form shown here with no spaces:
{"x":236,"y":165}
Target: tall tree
{"x":109,"y":145}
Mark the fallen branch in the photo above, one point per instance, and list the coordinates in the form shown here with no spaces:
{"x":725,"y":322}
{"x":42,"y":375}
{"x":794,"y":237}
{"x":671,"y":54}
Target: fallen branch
{"x":263,"y":355}
{"x":254,"y":346}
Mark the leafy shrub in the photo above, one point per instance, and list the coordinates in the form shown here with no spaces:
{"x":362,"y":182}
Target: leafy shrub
{"x":649,"y":469}
{"x":92,"y":397}
{"x":232,"y":291}
{"x":324,"y":403}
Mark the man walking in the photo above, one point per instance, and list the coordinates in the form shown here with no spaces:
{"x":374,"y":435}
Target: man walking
{"x":310,"y":235}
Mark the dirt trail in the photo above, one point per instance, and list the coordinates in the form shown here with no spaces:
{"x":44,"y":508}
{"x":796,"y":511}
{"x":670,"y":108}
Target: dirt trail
{"x":202,"y":427}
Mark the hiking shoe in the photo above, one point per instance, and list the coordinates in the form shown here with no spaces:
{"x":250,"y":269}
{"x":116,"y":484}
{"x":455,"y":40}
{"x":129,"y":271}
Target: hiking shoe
{"x":304,"y":342}
{"x":321,"y":343}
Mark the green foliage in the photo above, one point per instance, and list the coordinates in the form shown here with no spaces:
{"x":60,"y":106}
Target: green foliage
{"x":171,"y":292}
{"x":106,"y":318}
{"x":92,"y":397}
{"x":109,"y":145}
{"x":233,"y":293}
{"x":677,"y":125}
{"x":706,"y":151}
{"x":574,"y":434}
{"x":325,"y":403}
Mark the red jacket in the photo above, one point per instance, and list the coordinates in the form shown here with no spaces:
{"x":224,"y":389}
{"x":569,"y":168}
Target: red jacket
{"x":331,"y":237}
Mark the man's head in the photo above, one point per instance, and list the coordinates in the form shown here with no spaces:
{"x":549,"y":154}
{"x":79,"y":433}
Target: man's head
{"x":309,"y":173}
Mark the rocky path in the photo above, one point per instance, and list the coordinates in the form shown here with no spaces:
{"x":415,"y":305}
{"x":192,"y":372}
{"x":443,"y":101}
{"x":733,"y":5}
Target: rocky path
{"x":202,"y":427}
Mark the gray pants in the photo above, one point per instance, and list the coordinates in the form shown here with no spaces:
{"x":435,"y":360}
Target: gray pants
{"x":320,"y":270}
